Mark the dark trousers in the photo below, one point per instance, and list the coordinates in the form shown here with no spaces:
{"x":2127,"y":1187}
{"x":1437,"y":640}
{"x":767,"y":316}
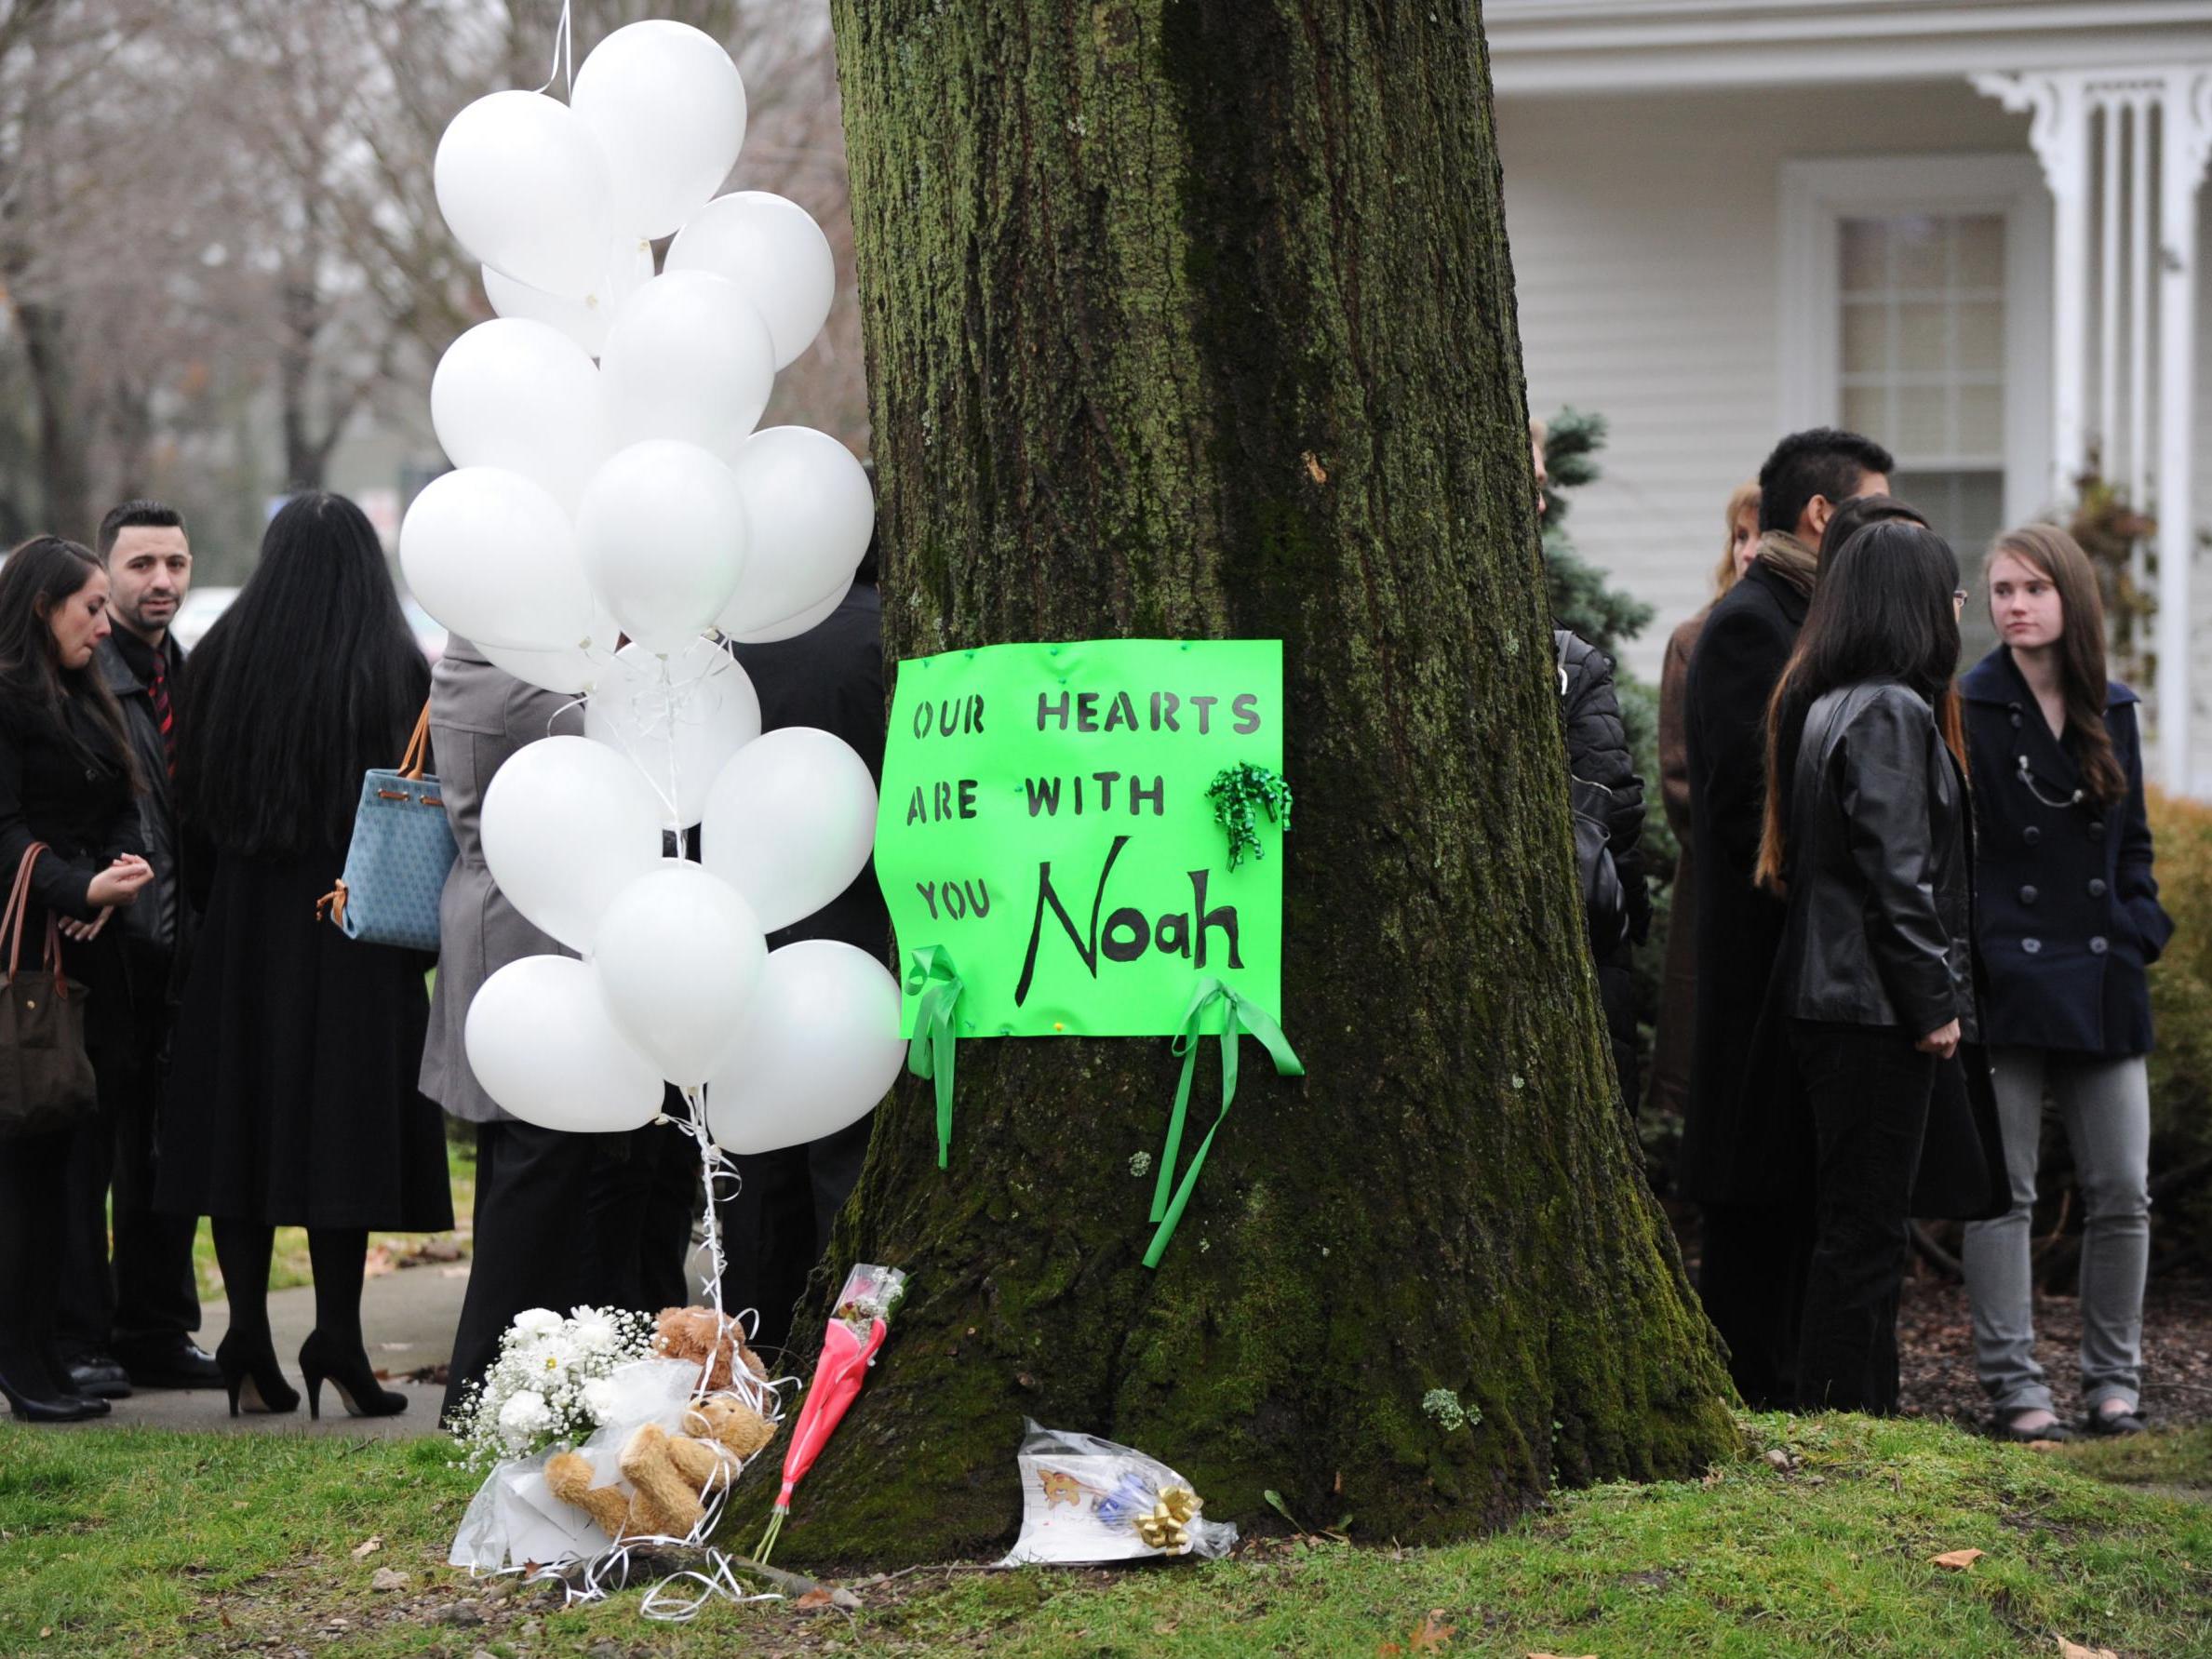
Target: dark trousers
{"x":1869,"y":1089}
{"x":1751,"y":1280}
{"x":641,"y":1207}
{"x":777,"y":1227}
{"x":31,"y":1243}
{"x":533,"y":1245}
{"x":139,"y":1295}
{"x":563,"y":1221}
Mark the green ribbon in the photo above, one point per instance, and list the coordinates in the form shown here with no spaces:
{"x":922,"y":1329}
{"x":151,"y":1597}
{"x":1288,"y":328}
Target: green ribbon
{"x":1239,"y":1014}
{"x":930,"y":1053}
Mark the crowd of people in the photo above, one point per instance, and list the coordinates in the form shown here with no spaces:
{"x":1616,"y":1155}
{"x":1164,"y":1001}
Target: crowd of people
{"x":1911,"y":910}
{"x":173,"y":824}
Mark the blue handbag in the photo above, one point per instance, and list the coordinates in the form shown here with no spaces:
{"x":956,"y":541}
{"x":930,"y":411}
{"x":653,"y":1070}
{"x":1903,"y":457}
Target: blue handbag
{"x":402,"y":848}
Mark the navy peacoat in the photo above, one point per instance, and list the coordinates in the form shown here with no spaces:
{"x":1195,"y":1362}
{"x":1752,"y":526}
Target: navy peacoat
{"x":2067,"y":913}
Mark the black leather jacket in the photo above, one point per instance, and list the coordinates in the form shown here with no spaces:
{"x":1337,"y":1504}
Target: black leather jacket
{"x":1879,"y":867}
{"x":1597,"y":753}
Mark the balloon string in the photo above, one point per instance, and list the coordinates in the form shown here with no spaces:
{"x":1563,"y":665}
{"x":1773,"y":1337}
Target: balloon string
{"x":563,"y":54}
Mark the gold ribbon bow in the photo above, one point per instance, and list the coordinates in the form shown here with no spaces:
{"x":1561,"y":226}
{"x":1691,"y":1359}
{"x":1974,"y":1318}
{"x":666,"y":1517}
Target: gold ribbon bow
{"x":1164,"y":1528}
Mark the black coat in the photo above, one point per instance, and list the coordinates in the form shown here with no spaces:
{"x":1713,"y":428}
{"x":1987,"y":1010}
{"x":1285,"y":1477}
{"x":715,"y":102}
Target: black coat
{"x":292,"y":1096}
{"x":1880,"y":928}
{"x":1597,"y":753}
{"x":2069,"y":915}
{"x":1741,"y":1125}
{"x":159,"y":918}
{"x":831,"y":677}
{"x":78,"y":797}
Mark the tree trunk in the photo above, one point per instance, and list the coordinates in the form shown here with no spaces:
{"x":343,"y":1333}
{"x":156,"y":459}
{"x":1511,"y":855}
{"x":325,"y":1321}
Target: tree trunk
{"x":1193,"y":318}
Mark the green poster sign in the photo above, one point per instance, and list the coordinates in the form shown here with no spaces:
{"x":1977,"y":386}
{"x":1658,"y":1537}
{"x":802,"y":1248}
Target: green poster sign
{"x":1045,"y":829}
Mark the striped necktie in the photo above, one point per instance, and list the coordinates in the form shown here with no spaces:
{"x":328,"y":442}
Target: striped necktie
{"x":165,"y":716}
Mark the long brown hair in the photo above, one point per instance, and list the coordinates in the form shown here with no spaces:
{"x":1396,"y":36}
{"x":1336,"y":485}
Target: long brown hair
{"x":2058,"y":558}
{"x":1743,"y":498}
{"x":1881,"y":610}
{"x":43,"y":573}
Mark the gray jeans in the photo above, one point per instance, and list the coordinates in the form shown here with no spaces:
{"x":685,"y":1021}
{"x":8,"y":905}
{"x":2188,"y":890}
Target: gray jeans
{"x":2105,"y":1105}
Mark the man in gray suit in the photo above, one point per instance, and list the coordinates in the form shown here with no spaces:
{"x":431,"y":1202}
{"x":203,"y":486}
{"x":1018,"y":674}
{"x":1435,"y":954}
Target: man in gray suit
{"x":533,"y":1186}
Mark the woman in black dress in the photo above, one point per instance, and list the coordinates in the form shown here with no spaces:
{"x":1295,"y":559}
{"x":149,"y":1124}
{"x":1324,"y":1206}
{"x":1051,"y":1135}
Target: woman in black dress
{"x":292,"y":1097}
{"x":66,"y":779}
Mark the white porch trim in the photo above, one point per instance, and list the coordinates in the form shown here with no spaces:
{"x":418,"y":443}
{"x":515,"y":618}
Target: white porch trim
{"x":1815,"y":198}
{"x":2096,"y":133}
{"x":1548,"y":47}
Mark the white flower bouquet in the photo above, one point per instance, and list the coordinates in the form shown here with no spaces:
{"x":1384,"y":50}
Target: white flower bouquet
{"x":550,"y":1386}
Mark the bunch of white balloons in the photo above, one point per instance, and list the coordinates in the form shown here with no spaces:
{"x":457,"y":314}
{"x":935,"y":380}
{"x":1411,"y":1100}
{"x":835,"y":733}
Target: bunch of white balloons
{"x":631,"y":495}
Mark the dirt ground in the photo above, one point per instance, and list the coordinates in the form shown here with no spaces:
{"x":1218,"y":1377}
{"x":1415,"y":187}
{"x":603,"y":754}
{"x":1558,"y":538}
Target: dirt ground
{"x":1936,"y":1351}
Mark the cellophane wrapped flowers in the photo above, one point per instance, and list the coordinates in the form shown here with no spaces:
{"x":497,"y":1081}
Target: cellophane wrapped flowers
{"x":550,"y":1384}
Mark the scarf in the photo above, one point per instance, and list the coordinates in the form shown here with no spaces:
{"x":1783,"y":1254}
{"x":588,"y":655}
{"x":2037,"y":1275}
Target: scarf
{"x":1788,"y":559}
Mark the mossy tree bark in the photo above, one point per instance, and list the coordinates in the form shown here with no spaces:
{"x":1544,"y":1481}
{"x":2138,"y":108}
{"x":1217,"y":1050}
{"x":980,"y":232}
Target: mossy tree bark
{"x":1193,"y":318}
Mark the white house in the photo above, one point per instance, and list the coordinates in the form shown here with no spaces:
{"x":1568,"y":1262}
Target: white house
{"x":1969,"y":229}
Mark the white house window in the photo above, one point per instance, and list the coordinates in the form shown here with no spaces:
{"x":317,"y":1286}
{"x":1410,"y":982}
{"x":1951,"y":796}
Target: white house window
{"x":1915,"y":308}
{"x":1921,"y":343}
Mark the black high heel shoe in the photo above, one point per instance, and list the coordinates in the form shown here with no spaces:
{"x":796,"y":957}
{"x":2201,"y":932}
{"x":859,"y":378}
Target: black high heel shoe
{"x":40,"y":1408}
{"x":252,"y":1379}
{"x":321,"y":1360}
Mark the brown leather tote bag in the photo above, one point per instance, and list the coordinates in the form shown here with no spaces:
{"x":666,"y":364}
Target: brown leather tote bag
{"x":46,"y":1077}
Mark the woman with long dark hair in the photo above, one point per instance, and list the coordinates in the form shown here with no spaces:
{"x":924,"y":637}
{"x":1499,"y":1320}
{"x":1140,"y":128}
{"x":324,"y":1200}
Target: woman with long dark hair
{"x":66,"y":780}
{"x":1867,"y":834}
{"x":2070,"y":922}
{"x":292,"y":1097}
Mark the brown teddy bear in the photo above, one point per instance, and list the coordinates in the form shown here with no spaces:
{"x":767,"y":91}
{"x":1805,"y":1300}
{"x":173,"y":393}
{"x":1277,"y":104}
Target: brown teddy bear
{"x":671,"y":1474}
{"x":691,"y":1333}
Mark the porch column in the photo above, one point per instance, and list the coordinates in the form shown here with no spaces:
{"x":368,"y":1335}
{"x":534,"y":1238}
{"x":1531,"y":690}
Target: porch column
{"x":2078,"y":116}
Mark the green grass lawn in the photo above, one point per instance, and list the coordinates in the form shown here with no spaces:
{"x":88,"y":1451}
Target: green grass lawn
{"x":144,"y":1543}
{"x":287,"y":1262}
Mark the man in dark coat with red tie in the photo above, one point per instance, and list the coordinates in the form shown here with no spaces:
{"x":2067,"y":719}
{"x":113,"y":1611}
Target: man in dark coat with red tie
{"x":129,"y":1321}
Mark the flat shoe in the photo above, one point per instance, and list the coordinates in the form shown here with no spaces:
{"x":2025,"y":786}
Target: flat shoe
{"x":2001,"y":1428}
{"x":2113,"y":1424}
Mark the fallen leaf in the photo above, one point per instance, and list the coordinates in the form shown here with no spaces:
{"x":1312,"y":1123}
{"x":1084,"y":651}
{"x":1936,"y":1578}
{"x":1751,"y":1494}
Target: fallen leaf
{"x":1958,"y":1561}
{"x":814,"y":1599}
{"x":46,"y":1630}
{"x":377,"y":1264}
{"x":367,"y":1547}
{"x":1314,"y":469}
{"x":2072,"y":1649}
{"x":388,"y":1578}
{"x":1780,"y":1459}
{"x":1431,"y":1635}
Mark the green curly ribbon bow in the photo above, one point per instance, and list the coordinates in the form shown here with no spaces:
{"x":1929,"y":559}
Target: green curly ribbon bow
{"x":930,"y":1054}
{"x":1239,"y":794}
{"x":1241,"y":1014}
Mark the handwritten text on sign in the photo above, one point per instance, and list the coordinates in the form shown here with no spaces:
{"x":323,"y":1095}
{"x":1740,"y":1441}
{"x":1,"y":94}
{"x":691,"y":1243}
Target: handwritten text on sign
{"x":1044,"y":819}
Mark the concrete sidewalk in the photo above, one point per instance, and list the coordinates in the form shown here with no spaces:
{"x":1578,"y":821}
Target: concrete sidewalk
{"x":407,"y":1315}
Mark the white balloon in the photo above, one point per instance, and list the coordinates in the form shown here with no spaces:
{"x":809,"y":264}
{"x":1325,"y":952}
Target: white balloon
{"x":663,"y":531}
{"x":525,"y":188}
{"x":678,"y":956}
{"x":539,"y":1039}
{"x":821,"y":1046}
{"x":770,"y":247}
{"x":573,"y":672}
{"x":809,"y":512}
{"x":522,"y":396}
{"x":806,"y":622}
{"x":490,"y":554}
{"x":790,"y":821}
{"x":678,"y":720}
{"x":688,"y":357}
{"x":667,"y":106}
{"x":585,"y":318}
{"x":567,"y":824}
